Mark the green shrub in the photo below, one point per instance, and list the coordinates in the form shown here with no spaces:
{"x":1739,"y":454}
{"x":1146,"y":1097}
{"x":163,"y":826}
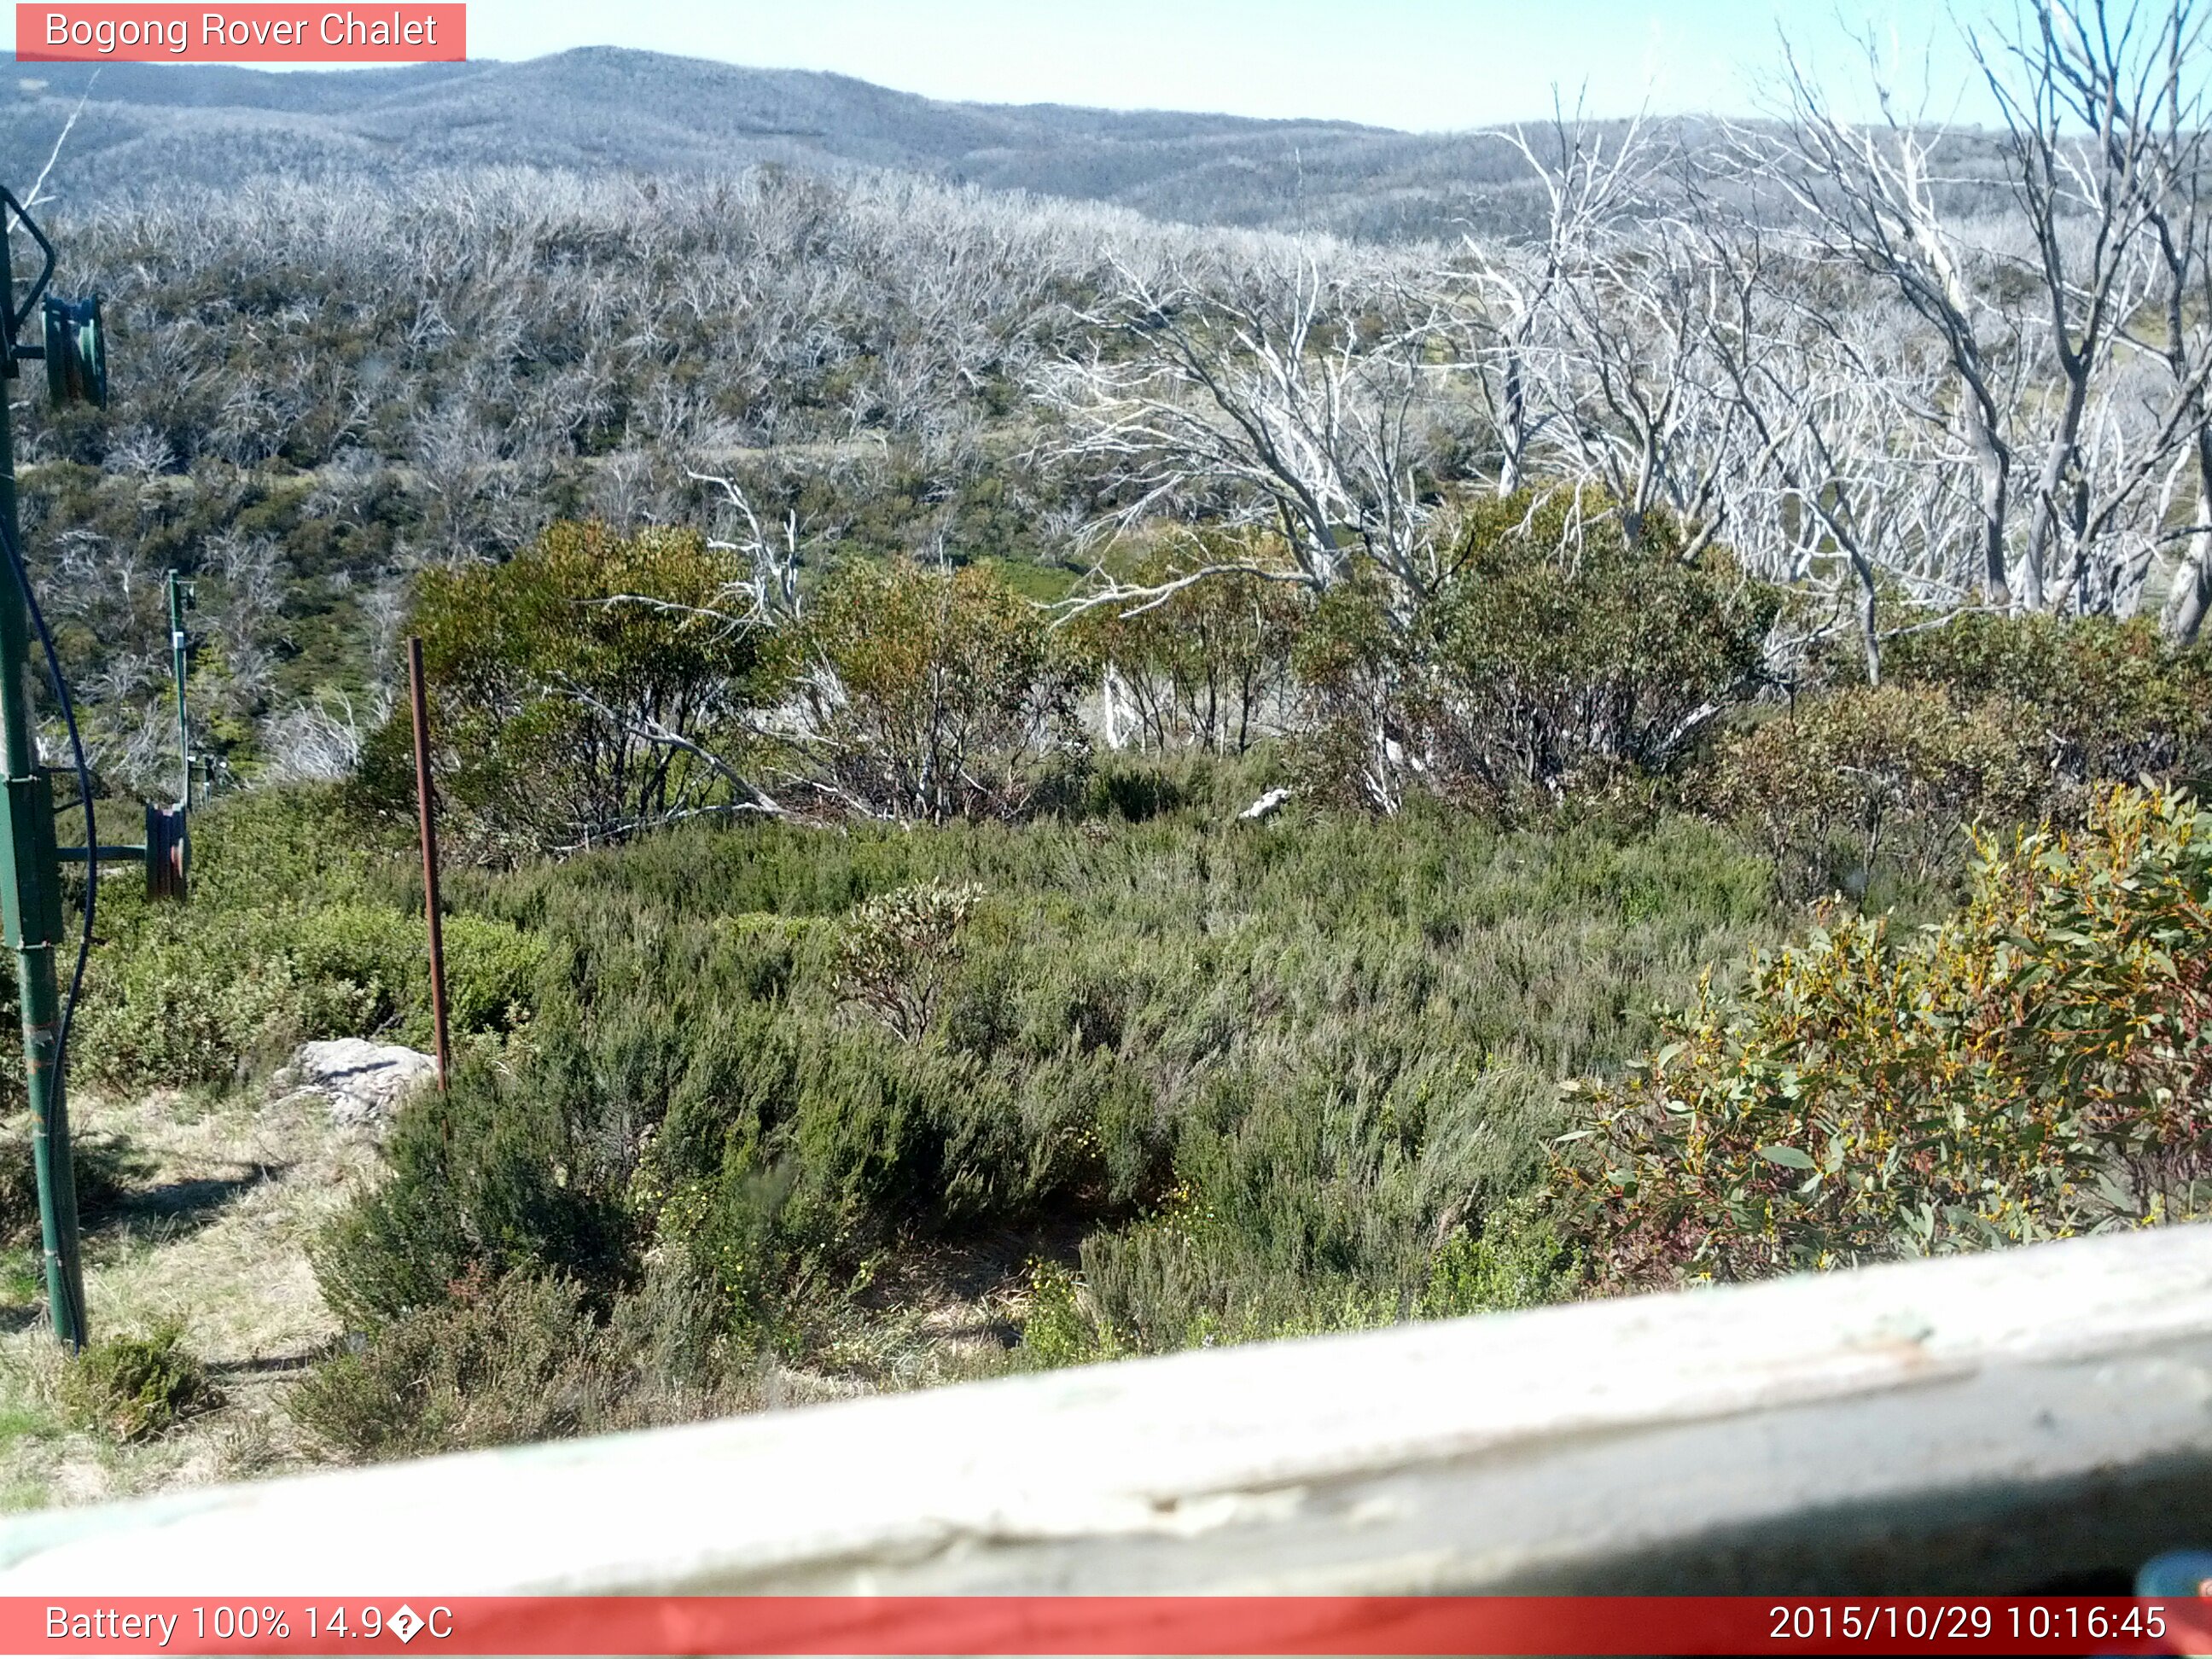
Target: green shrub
{"x":1357,"y":669}
{"x":588,"y":687}
{"x":503,"y":1362}
{"x":356,"y":968}
{"x":1338,"y":1038}
{"x":487,"y":1178}
{"x":1058,"y":1328}
{"x":194,"y":1004}
{"x":19,"y":1193}
{"x":1516,"y":1260}
{"x":2113,"y":700}
{"x":1899,"y":776}
{"x":135,"y":1387}
{"x":491,"y":973}
{"x":103,"y":1165}
{"x":1132,"y":793}
{"x":1552,"y":657}
{"x":178,"y":995}
{"x":2039,"y":1064}
{"x":938,"y":694}
{"x":894,"y":951}
{"x":296,"y":843}
{"x":296,"y":929}
{"x":1375,"y":1198}
{"x":1208,"y":665}
{"x":1169,"y":1284}
{"x":1557,"y":649}
{"x":808,"y":1147}
{"x":1984,"y":722}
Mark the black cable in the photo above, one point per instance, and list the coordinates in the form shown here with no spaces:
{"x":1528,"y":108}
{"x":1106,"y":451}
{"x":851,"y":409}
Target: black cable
{"x":60,"y":683}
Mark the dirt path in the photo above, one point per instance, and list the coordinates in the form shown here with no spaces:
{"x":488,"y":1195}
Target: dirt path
{"x":215,"y":1206}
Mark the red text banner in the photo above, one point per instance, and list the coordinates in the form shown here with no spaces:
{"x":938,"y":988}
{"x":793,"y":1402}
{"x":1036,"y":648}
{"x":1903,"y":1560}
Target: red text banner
{"x":260,"y":33}
{"x":1131,"y":1625}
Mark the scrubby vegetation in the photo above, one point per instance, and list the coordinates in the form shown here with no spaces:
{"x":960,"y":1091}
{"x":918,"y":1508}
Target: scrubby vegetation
{"x":134,"y":1387}
{"x":815,"y":966}
{"x":302,"y":925}
{"x":1151,"y":1075}
{"x":1238,"y":1077}
{"x":1982,"y":722}
{"x":2034,"y":1066}
{"x":1023,"y":787}
{"x":498,"y":1361}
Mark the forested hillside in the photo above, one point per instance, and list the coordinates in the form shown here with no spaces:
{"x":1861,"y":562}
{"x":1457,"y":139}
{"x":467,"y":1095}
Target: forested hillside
{"x":319,"y":390}
{"x":605,"y":111}
{"x":1027,"y":783}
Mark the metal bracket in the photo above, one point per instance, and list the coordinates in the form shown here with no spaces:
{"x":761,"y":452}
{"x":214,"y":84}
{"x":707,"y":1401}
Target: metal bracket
{"x":30,"y":907}
{"x":166,"y":853}
{"x":104,"y":854}
{"x":12,"y":317}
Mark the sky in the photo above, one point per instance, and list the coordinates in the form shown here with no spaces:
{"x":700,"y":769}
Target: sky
{"x":1422,"y":65}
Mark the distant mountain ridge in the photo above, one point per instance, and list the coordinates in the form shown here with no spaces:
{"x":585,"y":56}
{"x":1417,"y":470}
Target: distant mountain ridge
{"x":604,"y":107}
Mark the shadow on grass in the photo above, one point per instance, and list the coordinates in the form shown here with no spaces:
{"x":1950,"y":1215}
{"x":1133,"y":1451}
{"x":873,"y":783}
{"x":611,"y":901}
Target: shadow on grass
{"x":111,"y":1196}
{"x":105,"y":1168}
{"x":177,"y":1206}
{"x":267,"y":1364}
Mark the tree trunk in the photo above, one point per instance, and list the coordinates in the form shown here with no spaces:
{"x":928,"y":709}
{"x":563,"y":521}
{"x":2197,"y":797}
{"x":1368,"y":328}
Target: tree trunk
{"x":1514,"y":437}
{"x":1991,"y":466}
{"x":2063,"y":444}
{"x":2192,"y":590}
{"x":2191,"y":595}
{"x":1869,"y":634}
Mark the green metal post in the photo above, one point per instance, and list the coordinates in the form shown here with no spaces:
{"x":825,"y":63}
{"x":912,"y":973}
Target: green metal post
{"x":179,"y":668}
{"x":169,"y":829}
{"x":30,"y":902}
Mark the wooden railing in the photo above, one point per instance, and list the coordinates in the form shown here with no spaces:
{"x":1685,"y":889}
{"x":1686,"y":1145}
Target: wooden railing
{"x":2026,"y":1420}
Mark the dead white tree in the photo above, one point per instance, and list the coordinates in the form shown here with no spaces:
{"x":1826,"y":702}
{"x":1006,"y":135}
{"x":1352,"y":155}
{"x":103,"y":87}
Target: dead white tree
{"x":36,"y":194}
{"x":1281,"y":394}
{"x":2173,"y":114}
{"x":2072,"y":322}
{"x":1506,"y":320}
{"x":769,"y":592}
{"x":1646,"y":413}
{"x":319,"y":742}
{"x":1870,"y":195}
{"x":1804,"y":430}
{"x":1843,"y":483}
{"x":2074,"y":86}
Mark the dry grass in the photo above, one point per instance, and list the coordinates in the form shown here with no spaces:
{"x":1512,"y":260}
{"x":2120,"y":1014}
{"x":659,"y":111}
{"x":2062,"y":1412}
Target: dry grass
{"x":219,"y":1200}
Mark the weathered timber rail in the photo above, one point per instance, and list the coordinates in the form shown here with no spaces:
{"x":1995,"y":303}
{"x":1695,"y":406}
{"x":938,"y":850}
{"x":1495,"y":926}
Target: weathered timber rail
{"x":2026,"y":1420}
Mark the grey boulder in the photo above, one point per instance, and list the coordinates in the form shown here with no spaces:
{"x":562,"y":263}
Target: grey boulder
{"x":364,"y":1081}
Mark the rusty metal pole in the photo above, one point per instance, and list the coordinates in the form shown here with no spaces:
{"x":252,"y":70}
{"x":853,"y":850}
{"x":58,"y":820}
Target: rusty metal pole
{"x":421,"y":711}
